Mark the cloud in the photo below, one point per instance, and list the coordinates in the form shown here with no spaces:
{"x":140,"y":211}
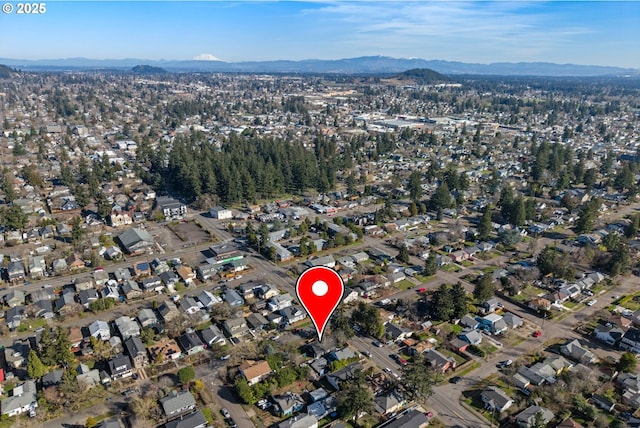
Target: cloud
{"x":507,"y":29}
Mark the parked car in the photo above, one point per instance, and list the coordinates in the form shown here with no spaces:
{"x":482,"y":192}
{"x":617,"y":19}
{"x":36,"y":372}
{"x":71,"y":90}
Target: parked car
{"x":591,"y":302}
{"x":503,"y":364}
{"x":225,"y":413}
{"x":455,"y":379}
{"x":376,"y":343}
{"x":537,"y":333}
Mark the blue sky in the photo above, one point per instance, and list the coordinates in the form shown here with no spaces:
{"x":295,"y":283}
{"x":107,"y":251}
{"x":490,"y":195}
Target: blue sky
{"x":583,"y":32}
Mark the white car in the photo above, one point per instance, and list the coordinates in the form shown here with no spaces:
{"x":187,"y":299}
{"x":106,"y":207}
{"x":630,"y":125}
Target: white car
{"x":591,"y":302}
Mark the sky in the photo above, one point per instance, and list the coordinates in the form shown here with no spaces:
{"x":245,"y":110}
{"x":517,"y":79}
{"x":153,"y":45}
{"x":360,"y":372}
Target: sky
{"x":577,"y":32}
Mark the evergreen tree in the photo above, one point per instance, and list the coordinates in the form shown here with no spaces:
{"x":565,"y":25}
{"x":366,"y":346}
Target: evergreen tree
{"x":441,"y":199}
{"x":415,"y":186}
{"x":403,"y":256}
{"x":484,"y":289}
{"x":484,"y":227}
{"x":431,"y":265}
{"x":35,"y":368}
{"x":459,"y":298}
{"x":418,"y":379}
{"x":442,"y":303}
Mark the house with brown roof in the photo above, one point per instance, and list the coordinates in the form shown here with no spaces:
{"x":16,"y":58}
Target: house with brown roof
{"x":165,"y":350}
{"x":74,"y":261}
{"x":186,"y":274}
{"x":255,"y":371}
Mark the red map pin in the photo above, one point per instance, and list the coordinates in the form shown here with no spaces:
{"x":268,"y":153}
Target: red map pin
{"x":320,"y":290}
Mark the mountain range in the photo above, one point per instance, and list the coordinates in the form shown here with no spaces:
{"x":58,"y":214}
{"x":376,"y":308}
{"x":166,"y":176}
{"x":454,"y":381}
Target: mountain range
{"x":360,"y":65}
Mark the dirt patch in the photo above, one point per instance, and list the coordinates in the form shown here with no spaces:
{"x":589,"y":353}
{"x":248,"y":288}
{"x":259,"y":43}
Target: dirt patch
{"x":189,"y":233}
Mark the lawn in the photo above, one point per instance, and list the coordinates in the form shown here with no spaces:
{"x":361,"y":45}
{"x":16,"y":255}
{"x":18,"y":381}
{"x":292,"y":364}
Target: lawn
{"x":451,"y":268}
{"x":571,"y":304}
{"x":528,"y":293}
{"x":468,"y":369}
{"x":424,"y":278}
{"x":466,"y":263}
{"x":32,"y":324}
{"x":405,"y":284}
{"x":631,"y":302}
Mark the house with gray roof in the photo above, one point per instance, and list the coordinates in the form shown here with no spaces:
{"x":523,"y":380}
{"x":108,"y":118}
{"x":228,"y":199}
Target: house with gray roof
{"x":136,"y":241}
{"x":495,"y":399}
{"x":127,"y":327}
{"x":136,"y":351}
{"x":23,"y":399}
{"x":177,"y":403}
{"x":192,"y":420}
{"x":527,"y":418}
{"x":212,"y":335}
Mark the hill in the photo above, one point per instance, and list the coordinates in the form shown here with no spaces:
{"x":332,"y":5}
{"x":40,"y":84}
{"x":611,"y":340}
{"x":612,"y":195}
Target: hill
{"x":423,"y":76}
{"x":148,"y":69}
{"x":6,"y":72}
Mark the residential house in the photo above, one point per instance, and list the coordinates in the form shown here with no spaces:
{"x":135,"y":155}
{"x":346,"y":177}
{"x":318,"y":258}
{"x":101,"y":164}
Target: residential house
{"x":52,"y":378}
{"x":136,"y":351}
{"x":85,"y":297}
{"x":255,"y":371}
{"x":131,"y":290}
{"x":235,"y":327}
{"x":65,"y":303}
{"x":609,"y":335}
{"x":490,"y":306}
{"x":292,"y":314}
{"x":100,"y":330}
{"x":336,"y":378}
{"x":472,"y":337}
{"x":168,"y":311}
{"x":59,"y":266}
{"x":326,"y":261}
{"x":257,"y":321}
{"x":127,"y":327}
{"x":23,"y":399}
{"x":493,"y":323}
{"x":469,"y":322}
{"x":192,"y":420}
{"x":602,"y":402}
{"x":110,"y":292}
{"x":186,"y":274}
{"x":119,"y":367}
{"x":577,"y":352}
{"x":189,"y":305}
{"x":165,"y":350}
{"x":14,"y":298}
{"x":389,"y":402}
{"x":190,"y":343}
{"x":15,"y":271}
{"x":142,"y":269}
{"x":288,"y":403}
{"x":495,"y":399}
{"x":303,"y":420}
{"x":87,"y":377}
{"x":147,"y":318}
{"x":439,"y":361}
{"x":100,"y":277}
{"x":212,"y":335}
{"x":208,"y":299}
{"x":409,"y":420}
{"x":177,"y":403}
{"x":74,"y":262}
{"x":14,"y":316}
{"x":83,"y":283}
{"x":528,"y":417}
{"x":43,"y":309}
{"x":206,"y":271}
{"x":276,"y":303}
{"x":232,"y":298}
{"x":152,"y":283}
{"x":630,"y":341}
{"x":396,"y":333}
{"x":37,"y":267}
{"x":512,"y":321}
